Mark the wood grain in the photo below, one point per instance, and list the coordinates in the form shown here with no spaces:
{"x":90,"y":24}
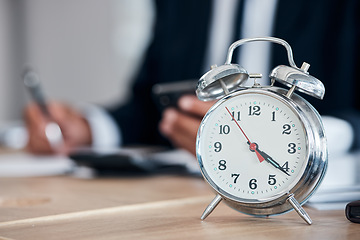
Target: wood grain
{"x":156,"y":207}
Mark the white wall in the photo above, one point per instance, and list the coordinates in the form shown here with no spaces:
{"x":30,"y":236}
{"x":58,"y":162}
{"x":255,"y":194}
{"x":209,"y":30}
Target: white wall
{"x":9,"y":99}
{"x":83,"y":50}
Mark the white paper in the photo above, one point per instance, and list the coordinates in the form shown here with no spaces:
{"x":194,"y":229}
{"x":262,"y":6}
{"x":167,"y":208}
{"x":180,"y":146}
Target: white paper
{"x":341,"y":183}
{"x":27,"y":165}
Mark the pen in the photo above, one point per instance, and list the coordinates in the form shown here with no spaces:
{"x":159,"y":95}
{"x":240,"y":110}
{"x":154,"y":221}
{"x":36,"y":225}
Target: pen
{"x":52,"y":129}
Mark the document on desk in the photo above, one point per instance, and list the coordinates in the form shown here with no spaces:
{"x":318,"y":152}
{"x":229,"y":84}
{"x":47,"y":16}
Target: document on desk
{"x":341,"y":183}
{"x":119,"y":161}
{"x":23,"y":164}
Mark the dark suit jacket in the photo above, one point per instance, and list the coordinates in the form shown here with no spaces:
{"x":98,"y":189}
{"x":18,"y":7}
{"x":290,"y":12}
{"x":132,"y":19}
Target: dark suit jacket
{"x":323,"y":33}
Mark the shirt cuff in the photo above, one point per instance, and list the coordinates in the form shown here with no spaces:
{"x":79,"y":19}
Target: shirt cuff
{"x":104,"y":130}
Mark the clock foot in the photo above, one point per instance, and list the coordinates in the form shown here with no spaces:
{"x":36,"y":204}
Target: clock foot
{"x":299,"y":209}
{"x":211,"y":206}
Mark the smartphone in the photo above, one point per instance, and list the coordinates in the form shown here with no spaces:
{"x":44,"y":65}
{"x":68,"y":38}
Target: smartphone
{"x":167,"y":94}
{"x":129,"y":160}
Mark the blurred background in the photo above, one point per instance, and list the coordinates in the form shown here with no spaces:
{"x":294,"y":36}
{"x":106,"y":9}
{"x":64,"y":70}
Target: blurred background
{"x":83,"y":50}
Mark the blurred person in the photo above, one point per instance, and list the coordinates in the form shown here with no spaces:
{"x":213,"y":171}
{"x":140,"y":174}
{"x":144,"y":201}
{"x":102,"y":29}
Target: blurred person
{"x":188,"y":37}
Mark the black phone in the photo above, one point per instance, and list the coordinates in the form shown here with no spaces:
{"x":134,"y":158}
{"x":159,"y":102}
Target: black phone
{"x":352,"y":211}
{"x":125,"y":160}
{"x":167,"y":94}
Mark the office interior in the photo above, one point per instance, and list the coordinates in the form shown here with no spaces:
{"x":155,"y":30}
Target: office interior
{"x":86,"y":51}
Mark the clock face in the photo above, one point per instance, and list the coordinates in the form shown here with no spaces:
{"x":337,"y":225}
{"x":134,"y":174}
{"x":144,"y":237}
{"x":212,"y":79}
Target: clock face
{"x":252,"y":146}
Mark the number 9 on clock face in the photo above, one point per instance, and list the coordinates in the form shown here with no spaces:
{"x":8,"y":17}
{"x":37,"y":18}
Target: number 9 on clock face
{"x":252,"y":146}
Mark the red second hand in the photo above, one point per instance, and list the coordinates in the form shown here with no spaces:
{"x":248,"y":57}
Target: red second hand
{"x":252,"y":145}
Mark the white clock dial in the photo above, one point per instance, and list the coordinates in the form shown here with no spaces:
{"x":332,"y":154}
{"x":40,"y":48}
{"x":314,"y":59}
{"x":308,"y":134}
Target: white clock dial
{"x":252,"y":147}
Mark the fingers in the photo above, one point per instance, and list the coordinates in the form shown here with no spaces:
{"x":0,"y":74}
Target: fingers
{"x":180,"y":128}
{"x":75,"y":129}
{"x":35,"y":124}
{"x":192,"y":105}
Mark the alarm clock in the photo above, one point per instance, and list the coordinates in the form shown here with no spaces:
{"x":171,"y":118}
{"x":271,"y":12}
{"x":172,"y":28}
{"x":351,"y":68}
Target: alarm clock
{"x":261,"y":148}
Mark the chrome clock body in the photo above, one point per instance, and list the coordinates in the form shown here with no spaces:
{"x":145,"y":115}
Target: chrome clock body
{"x":309,"y":175}
{"x":262,"y":149}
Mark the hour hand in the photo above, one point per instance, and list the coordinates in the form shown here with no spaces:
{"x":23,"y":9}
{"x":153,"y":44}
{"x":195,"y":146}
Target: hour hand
{"x":271,"y":161}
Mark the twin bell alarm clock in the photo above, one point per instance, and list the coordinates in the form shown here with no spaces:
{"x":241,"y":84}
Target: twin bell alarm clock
{"x":261,"y":148}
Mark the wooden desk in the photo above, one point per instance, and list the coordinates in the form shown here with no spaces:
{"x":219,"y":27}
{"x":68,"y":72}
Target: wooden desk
{"x":152,"y":207}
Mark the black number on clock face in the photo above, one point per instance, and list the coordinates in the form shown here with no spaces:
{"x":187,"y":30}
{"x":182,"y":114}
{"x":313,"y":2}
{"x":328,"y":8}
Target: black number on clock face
{"x":222,"y":165}
{"x":235,"y":176}
{"x":224,"y":129}
{"x":236,"y":116}
{"x":292,"y":148}
{"x":273,"y":116}
{"x":253,"y":184}
{"x":286,"y":128}
{"x":254,"y":110}
{"x":218,"y":146}
{"x":272,"y":180}
{"x":286,"y":166}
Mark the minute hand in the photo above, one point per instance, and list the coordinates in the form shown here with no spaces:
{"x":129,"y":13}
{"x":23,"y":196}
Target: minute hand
{"x":272,"y":161}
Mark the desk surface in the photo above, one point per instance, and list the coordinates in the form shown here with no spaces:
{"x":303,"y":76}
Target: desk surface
{"x":150,"y":207}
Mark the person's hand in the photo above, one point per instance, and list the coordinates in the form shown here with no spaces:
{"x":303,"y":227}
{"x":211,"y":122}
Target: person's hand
{"x":74,"y":127}
{"x":181,"y":126}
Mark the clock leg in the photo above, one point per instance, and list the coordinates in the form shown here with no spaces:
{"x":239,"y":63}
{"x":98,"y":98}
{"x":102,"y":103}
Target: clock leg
{"x":298,"y":208}
{"x":211,"y":206}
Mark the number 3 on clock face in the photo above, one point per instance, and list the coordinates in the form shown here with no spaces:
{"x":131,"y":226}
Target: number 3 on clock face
{"x":252,"y":146}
